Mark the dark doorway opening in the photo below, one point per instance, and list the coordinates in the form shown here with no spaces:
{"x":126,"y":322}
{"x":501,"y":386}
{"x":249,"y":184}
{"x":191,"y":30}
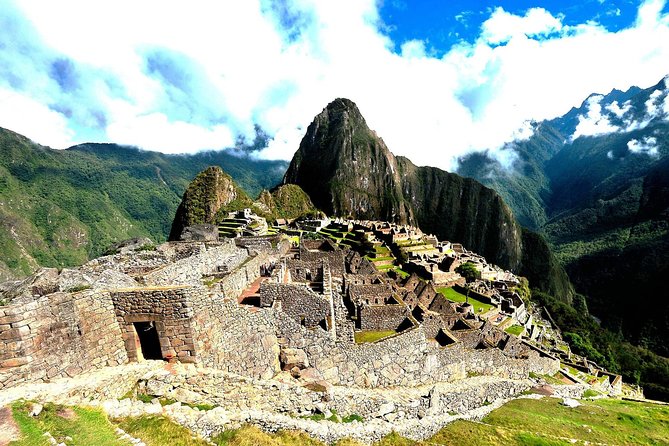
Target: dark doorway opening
{"x":443,"y":339}
{"x":148,"y":340}
{"x":253,"y":300}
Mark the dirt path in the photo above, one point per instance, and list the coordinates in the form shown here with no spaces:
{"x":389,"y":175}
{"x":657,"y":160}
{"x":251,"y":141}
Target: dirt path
{"x":9,"y":431}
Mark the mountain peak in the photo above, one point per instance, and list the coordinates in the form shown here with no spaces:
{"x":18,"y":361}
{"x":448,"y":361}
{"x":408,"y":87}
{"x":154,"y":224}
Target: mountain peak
{"x":348,"y":171}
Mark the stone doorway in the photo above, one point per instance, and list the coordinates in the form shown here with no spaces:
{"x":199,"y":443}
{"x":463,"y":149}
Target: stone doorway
{"x":149,"y":343}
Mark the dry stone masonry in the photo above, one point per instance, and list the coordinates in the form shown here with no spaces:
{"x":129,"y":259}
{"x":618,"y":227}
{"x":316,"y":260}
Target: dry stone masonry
{"x":185,"y":307}
{"x":266,"y":327}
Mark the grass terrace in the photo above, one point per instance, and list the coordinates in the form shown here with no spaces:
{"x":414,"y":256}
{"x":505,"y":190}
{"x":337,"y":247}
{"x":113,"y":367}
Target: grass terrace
{"x":515,"y":330}
{"x":403,"y":274}
{"x":454,"y":296}
{"x":364,"y":336}
{"x":384,"y":267}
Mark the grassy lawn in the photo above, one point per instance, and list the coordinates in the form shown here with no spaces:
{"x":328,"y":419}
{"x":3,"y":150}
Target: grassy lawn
{"x":370,"y":336}
{"x":515,"y":330}
{"x":604,"y":421}
{"x":159,"y":431}
{"x":84,"y":426}
{"x":454,"y":296}
{"x":519,"y":422}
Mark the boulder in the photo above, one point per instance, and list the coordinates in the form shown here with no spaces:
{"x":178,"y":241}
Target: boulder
{"x":111,"y":279}
{"x":36,"y":409}
{"x":43,"y":282}
{"x":200,"y":233}
{"x":385,"y":409}
{"x":129,"y":245}
{"x":293,"y":357}
{"x":72,"y":279}
{"x":569,"y":402}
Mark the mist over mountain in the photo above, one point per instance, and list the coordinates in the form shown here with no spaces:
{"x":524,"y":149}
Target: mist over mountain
{"x":594,"y":182}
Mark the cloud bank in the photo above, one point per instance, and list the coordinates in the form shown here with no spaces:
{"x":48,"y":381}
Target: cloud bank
{"x":599,"y":120}
{"x":182,"y":77}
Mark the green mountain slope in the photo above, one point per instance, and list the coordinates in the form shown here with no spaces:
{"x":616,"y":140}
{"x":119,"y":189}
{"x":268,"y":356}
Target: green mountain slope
{"x":606,"y":210}
{"x":61,"y":207}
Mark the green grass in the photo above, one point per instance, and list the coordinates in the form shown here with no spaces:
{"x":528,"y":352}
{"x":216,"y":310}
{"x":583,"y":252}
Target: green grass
{"x":334,"y":417}
{"x":85,"y":426}
{"x":252,"y":436}
{"x":590,"y":393}
{"x":403,"y":274}
{"x":384,"y":267}
{"x":555,"y":379}
{"x":158,"y":431}
{"x":382,"y":259}
{"x":604,"y":421}
{"x":519,"y":422}
{"x":454,"y":296}
{"x":370,"y":335}
{"x":515,"y":329}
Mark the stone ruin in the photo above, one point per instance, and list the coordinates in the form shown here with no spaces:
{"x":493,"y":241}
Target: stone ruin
{"x":188,"y":302}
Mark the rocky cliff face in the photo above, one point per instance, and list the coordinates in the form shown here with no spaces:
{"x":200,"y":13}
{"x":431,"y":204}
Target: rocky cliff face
{"x":347,"y":170}
{"x":211,"y":190}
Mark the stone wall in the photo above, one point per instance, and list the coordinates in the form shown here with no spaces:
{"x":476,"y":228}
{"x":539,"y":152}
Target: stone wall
{"x":190,"y":270}
{"x":170,"y":309}
{"x":297,"y":301}
{"x":234,"y":283}
{"x":478,"y":296}
{"x":382,"y":317}
{"x":305,"y":270}
{"x":408,"y":359}
{"x":58,"y":335}
{"x":233,"y":338}
{"x":370,"y":294}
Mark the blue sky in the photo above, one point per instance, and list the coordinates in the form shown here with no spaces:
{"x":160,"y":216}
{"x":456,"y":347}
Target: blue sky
{"x":445,"y":23}
{"x":435,"y":79}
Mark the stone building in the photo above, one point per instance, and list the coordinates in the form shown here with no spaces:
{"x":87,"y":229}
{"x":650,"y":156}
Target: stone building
{"x":181,"y":302}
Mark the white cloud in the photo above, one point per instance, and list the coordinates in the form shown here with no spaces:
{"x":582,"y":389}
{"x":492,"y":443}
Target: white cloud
{"x":594,"y":122}
{"x":413,"y":48}
{"x":617,"y":110}
{"x":177,"y":77}
{"x":52,"y":126}
{"x":159,"y":133}
{"x":647,"y":146}
{"x":503,"y":26}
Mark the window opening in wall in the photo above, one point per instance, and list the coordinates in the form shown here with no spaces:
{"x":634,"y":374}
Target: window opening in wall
{"x":148,"y":340}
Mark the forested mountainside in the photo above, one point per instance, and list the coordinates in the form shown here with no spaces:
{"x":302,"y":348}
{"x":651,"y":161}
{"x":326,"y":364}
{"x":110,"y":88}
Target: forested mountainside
{"x":595,"y":182}
{"x":62,"y":207}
